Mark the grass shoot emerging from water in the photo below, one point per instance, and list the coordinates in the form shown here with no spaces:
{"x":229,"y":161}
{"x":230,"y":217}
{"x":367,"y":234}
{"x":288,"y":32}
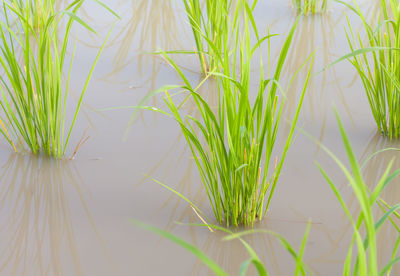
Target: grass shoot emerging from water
{"x":362,"y":257}
{"x":233,"y":146}
{"x":33,"y":94}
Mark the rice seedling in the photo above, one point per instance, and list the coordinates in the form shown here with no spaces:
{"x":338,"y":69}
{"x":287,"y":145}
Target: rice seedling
{"x":233,"y":146}
{"x":34,"y":95}
{"x":310,"y":6}
{"x":365,"y":261}
{"x":376,"y":60}
{"x":38,"y":10}
{"x":300,"y":267}
{"x":212,"y":29}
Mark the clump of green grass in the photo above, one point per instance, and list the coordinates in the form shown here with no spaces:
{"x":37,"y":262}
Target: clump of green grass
{"x":362,"y":256}
{"x":212,"y":29}
{"x":233,"y":146}
{"x":310,"y":6}
{"x":377,"y":60}
{"x":33,"y":93}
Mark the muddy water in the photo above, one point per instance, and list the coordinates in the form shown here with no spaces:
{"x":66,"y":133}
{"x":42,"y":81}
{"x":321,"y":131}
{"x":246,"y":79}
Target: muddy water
{"x":73,"y":217}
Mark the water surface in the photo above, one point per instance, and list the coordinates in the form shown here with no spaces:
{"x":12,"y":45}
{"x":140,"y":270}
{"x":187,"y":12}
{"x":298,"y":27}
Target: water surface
{"x":72,"y":217}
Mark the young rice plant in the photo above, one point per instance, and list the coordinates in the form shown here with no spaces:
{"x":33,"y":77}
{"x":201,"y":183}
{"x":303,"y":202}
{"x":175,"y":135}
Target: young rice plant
{"x":233,"y":145}
{"x":33,"y":92}
{"x":38,"y":11}
{"x":377,"y":61}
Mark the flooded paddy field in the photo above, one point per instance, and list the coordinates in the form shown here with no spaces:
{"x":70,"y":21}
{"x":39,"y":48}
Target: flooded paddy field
{"x":73,"y":217}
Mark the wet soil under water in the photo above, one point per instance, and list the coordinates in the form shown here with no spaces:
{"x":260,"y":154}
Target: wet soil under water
{"x":73,"y":217}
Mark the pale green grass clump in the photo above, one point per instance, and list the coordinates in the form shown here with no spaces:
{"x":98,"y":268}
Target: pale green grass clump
{"x":233,"y":145}
{"x":377,"y":61}
{"x":33,"y":93}
{"x":310,"y":6}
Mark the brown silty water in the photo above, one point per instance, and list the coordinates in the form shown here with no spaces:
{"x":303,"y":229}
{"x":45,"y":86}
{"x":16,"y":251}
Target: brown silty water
{"x":72,"y":217}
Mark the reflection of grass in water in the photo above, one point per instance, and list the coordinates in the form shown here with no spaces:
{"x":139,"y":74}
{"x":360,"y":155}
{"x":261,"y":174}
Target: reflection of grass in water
{"x":319,"y":32}
{"x":230,"y":255}
{"x":152,"y":25}
{"x":38,"y":225}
